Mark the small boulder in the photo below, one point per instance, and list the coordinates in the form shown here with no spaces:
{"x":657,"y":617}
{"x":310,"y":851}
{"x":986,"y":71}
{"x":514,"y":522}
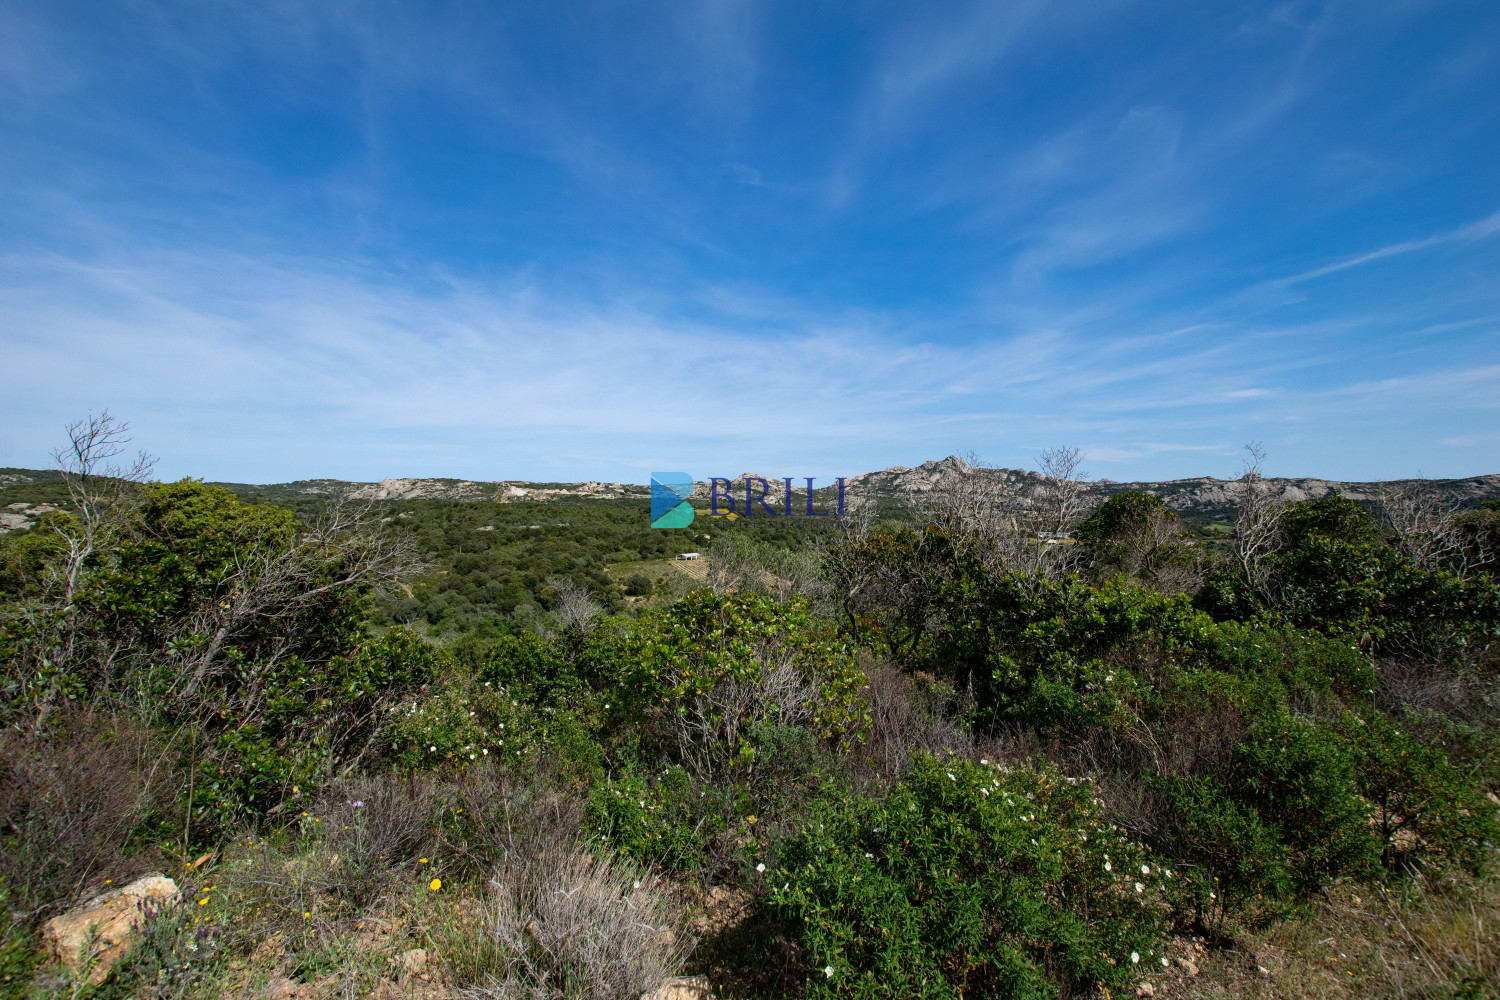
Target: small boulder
{"x":689,"y":988}
{"x":110,"y":921}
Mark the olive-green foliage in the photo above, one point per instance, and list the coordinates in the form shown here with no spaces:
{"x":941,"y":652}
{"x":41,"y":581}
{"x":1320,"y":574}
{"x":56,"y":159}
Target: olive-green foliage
{"x":1266,"y":789}
{"x":1332,"y":573}
{"x":703,"y":642}
{"x":17,"y":959}
{"x":667,"y":821}
{"x":275,"y":692}
{"x":968,"y":880}
{"x":1298,"y":776}
{"x":490,"y":561}
{"x":1134,"y":533}
{"x":1419,"y":796}
{"x":1334,"y":517}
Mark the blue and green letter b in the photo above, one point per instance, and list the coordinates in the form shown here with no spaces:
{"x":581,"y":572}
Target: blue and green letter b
{"x":669,"y":499}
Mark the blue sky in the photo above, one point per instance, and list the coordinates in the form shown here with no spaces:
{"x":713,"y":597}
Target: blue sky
{"x":592,"y":240}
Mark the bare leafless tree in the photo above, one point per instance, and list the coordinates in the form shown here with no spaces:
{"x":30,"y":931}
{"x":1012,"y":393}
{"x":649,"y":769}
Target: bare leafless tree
{"x":98,"y":513}
{"x":1015,"y":522}
{"x":1063,"y":495}
{"x":1258,"y":528}
{"x":1430,"y":530}
{"x":575,"y":609}
{"x":100,"y":492}
{"x":711,"y":724}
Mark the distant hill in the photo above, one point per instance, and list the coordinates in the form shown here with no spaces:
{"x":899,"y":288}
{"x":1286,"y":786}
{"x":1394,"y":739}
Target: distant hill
{"x":1204,"y":500}
{"x":438,"y":489}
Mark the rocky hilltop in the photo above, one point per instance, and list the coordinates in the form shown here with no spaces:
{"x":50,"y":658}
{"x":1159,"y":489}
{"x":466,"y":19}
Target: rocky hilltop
{"x":439,"y":489}
{"x":1204,"y":498}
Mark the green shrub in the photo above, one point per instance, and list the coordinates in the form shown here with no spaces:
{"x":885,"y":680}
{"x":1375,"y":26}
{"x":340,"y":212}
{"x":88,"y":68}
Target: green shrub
{"x":1240,"y":863}
{"x":312,"y":721}
{"x":667,"y":821}
{"x":966,"y":879}
{"x":732,"y":663}
{"x":1423,"y":806}
{"x":1299,"y":776}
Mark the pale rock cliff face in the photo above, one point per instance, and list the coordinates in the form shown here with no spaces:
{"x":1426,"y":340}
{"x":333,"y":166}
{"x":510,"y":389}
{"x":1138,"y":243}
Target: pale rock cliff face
{"x":22,"y":516}
{"x":421,"y":489}
{"x":1203,"y":497}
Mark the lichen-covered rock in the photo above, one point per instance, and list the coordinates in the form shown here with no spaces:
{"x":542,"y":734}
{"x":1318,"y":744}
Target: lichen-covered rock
{"x":109,"y":923}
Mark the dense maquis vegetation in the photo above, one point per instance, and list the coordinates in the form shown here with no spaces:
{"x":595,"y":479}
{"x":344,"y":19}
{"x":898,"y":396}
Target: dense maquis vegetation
{"x":489,"y":561}
{"x":952,"y":754}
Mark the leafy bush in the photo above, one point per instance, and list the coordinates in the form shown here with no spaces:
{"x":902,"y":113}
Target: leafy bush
{"x":710,"y":668}
{"x":967,"y":879}
{"x":1134,"y":533}
{"x":1422,"y":804}
{"x":1299,"y":777}
{"x":312,"y":720}
{"x":1243,"y":864}
{"x":668,"y":821}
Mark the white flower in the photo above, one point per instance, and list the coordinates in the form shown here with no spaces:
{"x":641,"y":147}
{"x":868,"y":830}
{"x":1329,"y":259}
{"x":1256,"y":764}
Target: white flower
{"x":1108,"y":867}
{"x":868,"y":854}
{"x":1213,"y":896}
{"x":1164,"y":961}
{"x":986,"y":791}
{"x":828,"y":971}
{"x":1135,"y":958}
{"x":1145,"y":870}
{"x":433,"y":749}
{"x":1139,"y":887}
{"x":951,"y":777}
{"x":762,"y":867}
{"x":984,"y":760}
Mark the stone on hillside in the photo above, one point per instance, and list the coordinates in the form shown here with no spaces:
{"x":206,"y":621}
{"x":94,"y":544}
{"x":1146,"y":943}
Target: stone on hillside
{"x":110,"y":922}
{"x":689,"y":988}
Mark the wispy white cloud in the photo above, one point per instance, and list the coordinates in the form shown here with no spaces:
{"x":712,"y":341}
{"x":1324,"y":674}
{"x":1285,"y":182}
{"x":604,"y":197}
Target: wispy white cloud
{"x":1480,"y":229}
{"x":365,"y":374}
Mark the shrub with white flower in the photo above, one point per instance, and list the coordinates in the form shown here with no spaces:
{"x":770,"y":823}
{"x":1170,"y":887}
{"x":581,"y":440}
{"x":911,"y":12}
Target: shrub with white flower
{"x":862,"y":878}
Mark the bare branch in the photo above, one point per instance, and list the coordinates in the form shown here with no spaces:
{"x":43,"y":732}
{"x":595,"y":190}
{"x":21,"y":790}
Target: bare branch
{"x":1258,"y":529}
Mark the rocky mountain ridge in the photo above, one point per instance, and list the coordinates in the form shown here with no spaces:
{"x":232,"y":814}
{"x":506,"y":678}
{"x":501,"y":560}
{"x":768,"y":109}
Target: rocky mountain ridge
{"x":1201,"y":498}
{"x":25,"y":493}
